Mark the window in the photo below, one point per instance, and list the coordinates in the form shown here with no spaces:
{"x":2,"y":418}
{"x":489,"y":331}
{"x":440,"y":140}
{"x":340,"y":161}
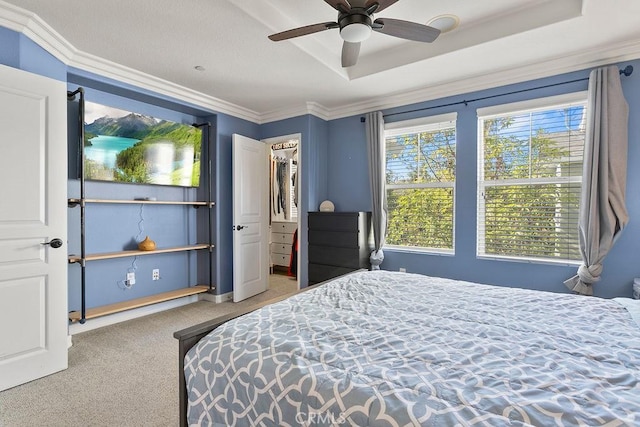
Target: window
{"x":530,"y":174}
{"x":420,"y":181}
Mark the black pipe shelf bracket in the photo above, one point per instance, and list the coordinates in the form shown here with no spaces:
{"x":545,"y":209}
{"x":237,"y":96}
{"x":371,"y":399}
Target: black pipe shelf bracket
{"x":84,"y":314}
{"x":210,"y":202}
{"x":81,"y":201}
{"x":71,"y":96}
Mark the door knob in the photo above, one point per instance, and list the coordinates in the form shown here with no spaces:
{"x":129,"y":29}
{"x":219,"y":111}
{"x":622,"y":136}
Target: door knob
{"x":240,"y":227}
{"x":54,"y":243}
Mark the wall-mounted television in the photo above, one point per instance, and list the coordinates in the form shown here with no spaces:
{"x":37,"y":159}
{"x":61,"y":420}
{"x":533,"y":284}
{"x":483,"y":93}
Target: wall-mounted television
{"x":123,"y":146}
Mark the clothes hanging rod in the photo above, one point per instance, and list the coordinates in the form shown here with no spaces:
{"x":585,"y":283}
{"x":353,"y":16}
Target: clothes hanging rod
{"x":627,"y":71}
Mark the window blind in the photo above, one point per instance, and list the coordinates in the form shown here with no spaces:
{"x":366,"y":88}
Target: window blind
{"x":420,"y":180}
{"x":529,"y":184}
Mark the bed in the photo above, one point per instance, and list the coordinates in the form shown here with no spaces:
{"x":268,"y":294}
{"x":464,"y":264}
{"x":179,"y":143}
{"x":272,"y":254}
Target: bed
{"x":396,"y":349}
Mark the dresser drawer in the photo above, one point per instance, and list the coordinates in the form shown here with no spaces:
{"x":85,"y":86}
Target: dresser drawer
{"x":282,"y":238}
{"x":338,"y":243}
{"x":320,"y":273}
{"x":333,"y":221}
{"x":277,"y":248}
{"x":331,"y":255}
{"x":284,"y":227}
{"x":344,"y":239}
{"x":280,"y":259}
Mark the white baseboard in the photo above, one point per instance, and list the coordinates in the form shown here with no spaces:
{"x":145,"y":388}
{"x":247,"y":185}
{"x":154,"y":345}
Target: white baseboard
{"x":112,"y":319}
{"x":216,"y":298}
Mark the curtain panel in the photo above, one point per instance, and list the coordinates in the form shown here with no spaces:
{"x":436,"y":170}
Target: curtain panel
{"x":603,"y":214}
{"x":374,"y":123}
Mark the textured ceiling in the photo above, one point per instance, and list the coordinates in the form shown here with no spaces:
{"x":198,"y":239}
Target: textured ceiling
{"x":497,"y":41}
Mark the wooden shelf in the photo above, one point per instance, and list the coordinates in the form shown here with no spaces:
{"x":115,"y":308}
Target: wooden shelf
{"x":74,"y":316}
{"x":124,"y":254}
{"x":73,"y":202}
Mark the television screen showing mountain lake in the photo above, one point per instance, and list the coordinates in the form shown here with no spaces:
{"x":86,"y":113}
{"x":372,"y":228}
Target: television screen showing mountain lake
{"x":104,"y":149}
{"x":122,"y":146}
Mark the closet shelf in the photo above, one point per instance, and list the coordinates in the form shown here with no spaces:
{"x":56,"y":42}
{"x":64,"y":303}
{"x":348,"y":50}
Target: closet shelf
{"x":74,"y":202}
{"x":123,"y":254}
{"x":74,"y":316}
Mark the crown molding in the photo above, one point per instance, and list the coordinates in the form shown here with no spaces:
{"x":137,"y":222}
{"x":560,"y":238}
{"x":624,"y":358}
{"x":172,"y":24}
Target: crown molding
{"x":29,"y":24}
{"x":112,"y":70}
{"x":312,"y":108}
{"x":32,"y":26}
{"x":603,"y":55}
{"x":318,"y":110}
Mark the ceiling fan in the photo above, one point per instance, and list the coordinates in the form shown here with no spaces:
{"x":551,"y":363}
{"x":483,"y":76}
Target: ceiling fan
{"x":356,"y":23}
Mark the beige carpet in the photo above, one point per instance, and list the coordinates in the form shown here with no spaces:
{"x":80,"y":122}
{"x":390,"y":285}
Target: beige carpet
{"x":119,"y":375}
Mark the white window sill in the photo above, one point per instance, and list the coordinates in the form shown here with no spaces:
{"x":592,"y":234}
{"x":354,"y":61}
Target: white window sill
{"x":563,"y":262}
{"x":421,"y":251}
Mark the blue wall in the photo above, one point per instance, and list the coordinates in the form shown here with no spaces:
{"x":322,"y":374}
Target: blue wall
{"x":10,"y":53}
{"x":333,"y":167}
{"x":19,"y":51}
{"x":348,"y":172}
{"x":227,"y":126}
{"x":348,"y":187}
{"x":313,"y":167}
{"x":223,"y":126}
{"x":112,"y":228}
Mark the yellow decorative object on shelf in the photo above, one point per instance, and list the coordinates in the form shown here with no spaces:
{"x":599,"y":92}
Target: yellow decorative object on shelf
{"x":147,"y":245}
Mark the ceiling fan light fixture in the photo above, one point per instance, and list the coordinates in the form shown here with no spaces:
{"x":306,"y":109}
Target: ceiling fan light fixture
{"x":356,"y":23}
{"x":355,"y":33}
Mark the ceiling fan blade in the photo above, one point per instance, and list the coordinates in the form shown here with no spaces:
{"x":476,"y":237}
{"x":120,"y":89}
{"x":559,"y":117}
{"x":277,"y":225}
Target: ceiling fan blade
{"x":382,"y":4}
{"x":350,"y":52}
{"x":340,"y":5}
{"x":406,"y":30}
{"x":303,"y":31}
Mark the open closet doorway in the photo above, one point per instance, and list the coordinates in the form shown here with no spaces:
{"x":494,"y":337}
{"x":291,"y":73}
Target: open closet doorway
{"x":284,"y":221}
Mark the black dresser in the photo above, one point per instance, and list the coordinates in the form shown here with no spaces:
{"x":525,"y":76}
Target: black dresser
{"x":338,"y":243}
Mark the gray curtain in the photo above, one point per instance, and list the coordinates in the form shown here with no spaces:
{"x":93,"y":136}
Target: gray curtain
{"x":603,"y":214}
{"x":376,"y":156}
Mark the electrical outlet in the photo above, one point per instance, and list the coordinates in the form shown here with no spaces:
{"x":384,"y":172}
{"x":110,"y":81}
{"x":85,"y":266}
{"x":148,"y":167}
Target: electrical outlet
{"x":155,"y":274}
{"x":131,"y":278}
{"x":402,"y":270}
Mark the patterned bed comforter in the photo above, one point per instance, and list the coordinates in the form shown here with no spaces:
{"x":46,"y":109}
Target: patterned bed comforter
{"x":396,"y":349}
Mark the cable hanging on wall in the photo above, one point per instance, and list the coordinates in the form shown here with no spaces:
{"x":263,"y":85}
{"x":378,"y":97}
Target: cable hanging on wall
{"x":126,"y":284}
{"x":140,"y":224}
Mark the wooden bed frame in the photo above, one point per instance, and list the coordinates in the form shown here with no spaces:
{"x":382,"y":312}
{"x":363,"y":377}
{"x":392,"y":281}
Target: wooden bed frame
{"x":189,"y":337}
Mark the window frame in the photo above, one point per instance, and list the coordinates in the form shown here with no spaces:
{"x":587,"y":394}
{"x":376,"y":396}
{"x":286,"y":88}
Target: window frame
{"x":417,"y":125}
{"x":515,"y":108}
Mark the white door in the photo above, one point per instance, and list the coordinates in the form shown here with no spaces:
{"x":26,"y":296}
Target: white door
{"x":33,"y":212}
{"x":250,"y":218}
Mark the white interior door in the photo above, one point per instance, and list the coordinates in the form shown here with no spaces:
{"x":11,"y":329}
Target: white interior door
{"x":250,"y":217}
{"x":33,"y":212}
